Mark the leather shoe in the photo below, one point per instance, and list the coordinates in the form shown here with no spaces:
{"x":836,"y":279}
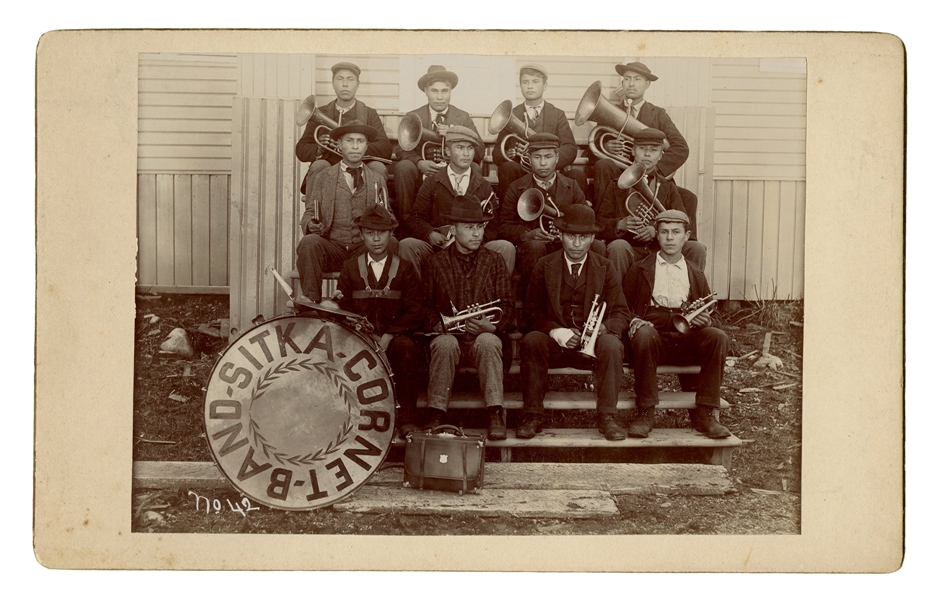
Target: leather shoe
{"x":711,"y":427}
{"x":608,"y":427}
{"x":497,"y":430}
{"x":436,"y":418}
{"x":642,"y":426}
{"x":531,"y":426}
{"x":406,"y":428}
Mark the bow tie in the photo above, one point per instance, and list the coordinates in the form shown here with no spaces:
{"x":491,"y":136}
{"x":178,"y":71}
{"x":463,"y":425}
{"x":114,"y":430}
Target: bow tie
{"x":356,"y":173}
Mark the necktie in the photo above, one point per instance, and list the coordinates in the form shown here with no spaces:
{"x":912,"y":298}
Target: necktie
{"x":439,"y":120}
{"x":458,"y":186}
{"x":635,"y":112}
{"x":342,"y":112}
{"x":537,"y":113}
{"x":575,"y":268}
{"x":357,"y":180}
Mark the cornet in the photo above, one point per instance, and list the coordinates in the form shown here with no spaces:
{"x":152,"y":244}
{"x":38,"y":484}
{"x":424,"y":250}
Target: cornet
{"x":535,"y":204}
{"x":642,"y":202}
{"x":411,"y":133}
{"x":517,"y":135}
{"x":309,"y":112}
{"x":457,"y":323}
{"x":591,"y":328}
{"x":682,"y":321}
{"x":381,"y":197}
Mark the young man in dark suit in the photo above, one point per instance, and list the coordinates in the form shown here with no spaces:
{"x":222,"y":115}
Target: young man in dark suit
{"x":539,"y":116}
{"x":337,"y":196}
{"x":431,"y":232}
{"x":558,"y":302}
{"x":437,"y":115}
{"x":345,"y":107}
{"x":385,"y":289}
{"x":656,"y":288}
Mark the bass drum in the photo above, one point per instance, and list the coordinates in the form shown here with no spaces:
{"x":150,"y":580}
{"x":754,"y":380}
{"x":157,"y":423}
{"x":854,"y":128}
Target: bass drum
{"x":299,"y":412}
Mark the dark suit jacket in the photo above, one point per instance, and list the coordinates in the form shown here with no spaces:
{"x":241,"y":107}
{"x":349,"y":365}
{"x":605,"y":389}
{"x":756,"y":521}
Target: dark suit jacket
{"x":657,"y":118}
{"x":612,"y":209}
{"x":551,"y":120}
{"x":394,"y":316}
{"x":436,"y":197}
{"x":307,"y":150}
{"x":542,"y":302}
{"x":324,"y":189}
{"x":639,"y":282}
{"x":454,"y":116}
{"x":511,"y":227}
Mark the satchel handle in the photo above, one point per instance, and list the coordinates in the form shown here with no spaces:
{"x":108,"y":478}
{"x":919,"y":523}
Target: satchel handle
{"x":451,"y":428}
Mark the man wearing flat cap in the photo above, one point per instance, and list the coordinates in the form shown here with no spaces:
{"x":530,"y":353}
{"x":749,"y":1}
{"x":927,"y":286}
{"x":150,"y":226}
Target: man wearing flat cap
{"x":464,"y":275}
{"x":437,"y":115}
{"x":538,"y":116}
{"x":338,"y":195}
{"x":345,"y":107}
{"x":657,"y":288}
{"x":431,"y":232}
{"x":532,"y":242}
{"x":385,"y":289}
{"x":629,"y":238}
{"x":559,"y":300}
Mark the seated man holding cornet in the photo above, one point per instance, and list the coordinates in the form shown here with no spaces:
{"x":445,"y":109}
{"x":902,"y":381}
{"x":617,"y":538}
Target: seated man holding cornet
{"x":628,"y":208}
{"x":671,"y":297}
{"x":534,"y":201}
{"x":469,"y":304}
{"x":577,"y":314}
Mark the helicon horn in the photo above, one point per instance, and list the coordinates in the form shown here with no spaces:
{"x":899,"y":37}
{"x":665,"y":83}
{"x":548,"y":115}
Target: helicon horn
{"x":411,"y":133}
{"x":611,"y":122}
{"x":517,"y":130}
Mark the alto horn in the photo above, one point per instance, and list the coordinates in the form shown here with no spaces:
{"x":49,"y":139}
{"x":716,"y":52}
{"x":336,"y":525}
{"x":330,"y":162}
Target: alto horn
{"x":535,"y":204}
{"x":682,"y":321}
{"x":457,"y":323}
{"x":611,"y":122}
{"x":591,"y":328}
{"x":642,"y":202}
{"x":517,"y":133}
{"x":410,"y":134}
{"x":309,"y":112}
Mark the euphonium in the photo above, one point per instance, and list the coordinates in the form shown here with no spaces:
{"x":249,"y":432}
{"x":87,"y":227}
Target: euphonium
{"x":411,"y":133}
{"x":535,"y":204}
{"x":591,"y":328}
{"x":308,"y":111}
{"x":611,"y":121}
{"x":457,"y":323}
{"x":642,"y":202}
{"x":517,"y":130}
{"x":682,"y":321}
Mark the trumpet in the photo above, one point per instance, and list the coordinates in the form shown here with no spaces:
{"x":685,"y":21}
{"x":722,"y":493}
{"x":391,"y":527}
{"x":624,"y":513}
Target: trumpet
{"x":517,"y":135}
{"x":410,"y":134}
{"x":591,"y":328}
{"x":309,"y":112}
{"x":682,"y":321}
{"x":535,"y":204}
{"x":381,"y":197}
{"x":457,"y":323}
{"x":643,"y":202}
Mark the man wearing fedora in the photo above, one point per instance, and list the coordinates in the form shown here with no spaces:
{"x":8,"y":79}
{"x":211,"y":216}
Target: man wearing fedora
{"x":656,"y":288}
{"x":558,"y":302}
{"x":437,"y":115}
{"x":345,"y":107}
{"x":386,"y":290}
{"x":538,"y":116}
{"x":533,"y":243}
{"x":463,"y":275}
{"x":431,"y":232}
{"x":627,"y":239}
{"x":337,"y":196}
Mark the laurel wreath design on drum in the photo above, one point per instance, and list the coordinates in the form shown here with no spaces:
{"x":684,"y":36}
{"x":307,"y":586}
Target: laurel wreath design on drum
{"x":293,"y":366}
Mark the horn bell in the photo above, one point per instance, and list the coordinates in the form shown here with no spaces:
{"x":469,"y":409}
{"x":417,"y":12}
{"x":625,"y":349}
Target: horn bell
{"x":531,"y":204}
{"x":595,"y":107}
{"x":305,"y":110}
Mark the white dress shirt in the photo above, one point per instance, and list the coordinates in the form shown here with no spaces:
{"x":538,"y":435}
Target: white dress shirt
{"x":533,"y":111}
{"x":636,"y":108}
{"x":433,"y":114}
{"x":672,"y":283}
{"x":460,"y":181}
{"x":377,"y":266}
{"x":562,"y":335}
{"x":545,"y":185}
{"x":344,"y":111}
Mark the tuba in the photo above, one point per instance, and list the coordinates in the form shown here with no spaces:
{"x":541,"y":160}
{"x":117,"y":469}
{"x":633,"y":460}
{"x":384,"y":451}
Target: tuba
{"x":457,"y":323}
{"x":591,"y":328}
{"x":517,"y":133}
{"x":682,"y":321}
{"x":611,"y":122}
{"x":411,"y":133}
{"x":309,"y":112}
{"x":535,"y":204}
{"x":642,"y":202}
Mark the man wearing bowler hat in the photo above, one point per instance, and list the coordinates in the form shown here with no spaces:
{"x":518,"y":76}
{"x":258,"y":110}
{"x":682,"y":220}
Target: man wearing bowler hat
{"x":431,"y":232}
{"x":559,"y":300}
{"x":337,"y":196}
{"x":657,"y":288}
{"x":345,"y":107}
{"x":437,"y":115}
{"x":538,"y":116}
{"x":461,"y":276}
{"x":385,"y":289}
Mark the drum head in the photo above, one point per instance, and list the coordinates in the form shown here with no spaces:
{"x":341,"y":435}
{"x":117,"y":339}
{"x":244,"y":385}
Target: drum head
{"x":299,"y":412}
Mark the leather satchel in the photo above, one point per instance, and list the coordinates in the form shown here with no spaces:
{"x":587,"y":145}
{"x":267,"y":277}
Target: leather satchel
{"x":444,"y":458}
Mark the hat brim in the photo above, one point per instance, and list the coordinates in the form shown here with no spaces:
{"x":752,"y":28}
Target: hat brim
{"x":562,"y":227}
{"x":453,"y":219}
{"x":376,"y":225}
{"x":448,"y":76}
{"x":367,"y":130}
{"x":621,"y":69}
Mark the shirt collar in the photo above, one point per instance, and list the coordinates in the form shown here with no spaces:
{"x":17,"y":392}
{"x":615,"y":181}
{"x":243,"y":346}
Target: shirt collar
{"x":345,"y":110}
{"x":681,"y":264}
{"x":549,"y":182}
{"x":453,"y":174}
{"x":345,"y":167}
{"x":433,"y":113}
{"x":637,"y":105}
{"x":539,"y":107}
{"x":582,"y":263}
{"x":381,"y":262}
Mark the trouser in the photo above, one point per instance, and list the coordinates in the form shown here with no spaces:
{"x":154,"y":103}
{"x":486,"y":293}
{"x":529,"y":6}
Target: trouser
{"x":511,"y":170}
{"x":705,"y":346}
{"x":540,"y":352}
{"x":316,"y":255}
{"x":623,"y":254}
{"x":447,"y":352}
{"x":404,"y":356}
{"x":321,"y":165}
{"x":418,"y":252}
{"x":532,"y":251}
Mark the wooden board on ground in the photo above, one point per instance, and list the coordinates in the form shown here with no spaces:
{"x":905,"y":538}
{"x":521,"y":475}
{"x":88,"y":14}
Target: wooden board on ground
{"x":571,"y":400}
{"x":591,"y":438}
{"x":178,"y":475}
{"x":569,"y":504}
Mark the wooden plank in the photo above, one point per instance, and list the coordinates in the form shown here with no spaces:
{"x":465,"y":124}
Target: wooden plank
{"x":720,"y":250}
{"x":271,"y":75}
{"x":748,"y":84}
{"x":786,"y":240}
{"x":178,"y":475}
{"x":251,"y":215}
{"x":236,"y":202}
{"x":752,"y":72}
{"x":754,"y":218}
{"x":571,"y":400}
{"x":221,"y":290}
{"x":760,"y":146}
{"x":591,"y":438}
{"x":188,"y":86}
{"x":165,"y":260}
{"x":201,"y":230}
{"x":271,"y":202}
{"x":556,"y":504}
{"x":182,"y":229}
{"x":146,"y":229}
{"x":760,"y":158}
{"x":183,"y":138}
{"x":287,"y":228}
{"x":760,"y":134}
{"x":185,"y":126}
{"x":190,"y":165}
{"x":187,"y":99}
{"x":177,"y":71}
{"x":738,"y":237}
{"x":662,"y":369}
{"x":184,"y":112}
{"x":218,"y":229}
{"x":760,"y":172}
{"x":770,"y":221}
{"x":791,"y":121}
{"x":798,"y":274}
{"x":183,"y":152}
{"x":726,"y":97}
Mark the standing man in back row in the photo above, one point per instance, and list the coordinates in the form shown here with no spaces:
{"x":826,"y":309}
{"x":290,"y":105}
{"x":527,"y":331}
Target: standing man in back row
{"x":345,"y":107}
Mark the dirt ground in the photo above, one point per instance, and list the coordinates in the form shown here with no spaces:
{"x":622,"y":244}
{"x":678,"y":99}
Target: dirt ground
{"x":766,"y":472}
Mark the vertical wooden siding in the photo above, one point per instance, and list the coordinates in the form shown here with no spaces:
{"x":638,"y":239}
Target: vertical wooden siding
{"x":276,"y":75}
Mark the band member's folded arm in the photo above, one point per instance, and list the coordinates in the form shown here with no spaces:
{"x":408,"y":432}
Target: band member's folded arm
{"x":381,"y":147}
{"x":678,"y":151}
{"x":510,"y":226}
{"x":568,"y":149}
{"x":307,"y":148}
{"x":411,"y":316}
{"x":312,"y":196}
{"x":419,"y":221}
{"x":537,"y":302}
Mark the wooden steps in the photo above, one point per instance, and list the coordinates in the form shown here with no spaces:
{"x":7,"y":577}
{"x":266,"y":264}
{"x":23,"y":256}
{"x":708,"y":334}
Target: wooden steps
{"x":570,"y":400}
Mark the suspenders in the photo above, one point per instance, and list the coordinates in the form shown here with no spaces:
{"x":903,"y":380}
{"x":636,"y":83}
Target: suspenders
{"x":380,"y":293}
